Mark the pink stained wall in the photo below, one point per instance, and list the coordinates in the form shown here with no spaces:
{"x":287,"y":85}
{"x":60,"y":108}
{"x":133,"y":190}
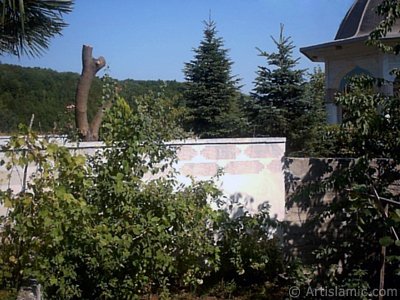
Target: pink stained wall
{"x":252,"y":169}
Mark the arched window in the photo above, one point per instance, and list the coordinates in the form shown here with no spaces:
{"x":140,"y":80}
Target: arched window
{"x":343,"y":87}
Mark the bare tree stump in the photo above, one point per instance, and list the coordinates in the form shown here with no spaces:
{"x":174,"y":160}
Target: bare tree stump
{"x":90,"y":66}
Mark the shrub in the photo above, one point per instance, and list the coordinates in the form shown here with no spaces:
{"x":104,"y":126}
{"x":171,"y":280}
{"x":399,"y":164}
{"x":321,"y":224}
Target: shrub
{"x":97,"y":227}
{"x":118,"y":225}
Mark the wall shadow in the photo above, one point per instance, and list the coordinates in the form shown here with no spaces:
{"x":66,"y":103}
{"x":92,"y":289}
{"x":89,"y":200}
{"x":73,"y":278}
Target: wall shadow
{"x":310,"y":191}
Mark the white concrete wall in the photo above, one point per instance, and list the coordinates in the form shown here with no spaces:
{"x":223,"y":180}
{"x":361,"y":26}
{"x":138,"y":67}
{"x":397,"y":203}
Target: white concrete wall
{"x":253,"y":168}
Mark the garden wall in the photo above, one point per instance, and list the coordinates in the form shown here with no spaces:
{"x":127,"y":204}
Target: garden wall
{"x":253,"y":169}
{"x":303,"y":226}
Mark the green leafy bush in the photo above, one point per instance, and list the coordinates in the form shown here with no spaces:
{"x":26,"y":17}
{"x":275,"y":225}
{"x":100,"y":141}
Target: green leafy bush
{"x":251,"y":257}
{"x":364,"y":214}
{"x":118,"y":225}
{"x":109,"y":226}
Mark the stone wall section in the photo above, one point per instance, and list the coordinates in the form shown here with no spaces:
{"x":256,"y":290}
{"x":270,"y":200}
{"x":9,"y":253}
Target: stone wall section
{"x":252,"y":168}
{"x":304,"y":228}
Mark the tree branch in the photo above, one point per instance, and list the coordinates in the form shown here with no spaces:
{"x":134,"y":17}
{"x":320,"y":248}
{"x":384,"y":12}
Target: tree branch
{"x":96,"y":122}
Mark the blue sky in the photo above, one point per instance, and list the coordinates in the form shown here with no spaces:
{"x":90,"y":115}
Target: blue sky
{"x":152,"y":39}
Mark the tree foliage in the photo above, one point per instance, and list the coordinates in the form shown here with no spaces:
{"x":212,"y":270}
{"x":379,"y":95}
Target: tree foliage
{"x":49,"y":95}
{"x":389,"y":10}
{"x":99,"y":228}
{"x":364,"y":216}
{"x":282,"y":106}
{"x":212,"y":93}
{"x":117,"y":224}
{"x":277,"y":89}
{"x":308,"y":128}
{"x":26,"y":26}
{"x":250,"y":254}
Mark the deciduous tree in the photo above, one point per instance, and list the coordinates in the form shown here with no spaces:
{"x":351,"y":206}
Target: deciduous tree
{"x":389,"y":10}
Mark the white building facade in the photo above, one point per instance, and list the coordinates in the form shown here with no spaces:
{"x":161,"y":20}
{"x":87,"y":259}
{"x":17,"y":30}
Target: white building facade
{"x":349,"y":54}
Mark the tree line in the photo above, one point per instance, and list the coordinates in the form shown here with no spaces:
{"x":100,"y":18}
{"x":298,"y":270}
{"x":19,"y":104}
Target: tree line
{"x":50,"y":96}
{"x":283,"y":103}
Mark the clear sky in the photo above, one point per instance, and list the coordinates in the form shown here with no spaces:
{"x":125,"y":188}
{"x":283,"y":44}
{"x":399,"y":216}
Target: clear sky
{"x":152,"y":39}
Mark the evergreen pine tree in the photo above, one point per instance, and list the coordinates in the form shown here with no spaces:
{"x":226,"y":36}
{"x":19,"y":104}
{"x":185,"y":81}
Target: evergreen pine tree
{"x":212,"y":93}
{"x":277,"y":89}
{"x":277,"y":95}
{"x":308,"y":129}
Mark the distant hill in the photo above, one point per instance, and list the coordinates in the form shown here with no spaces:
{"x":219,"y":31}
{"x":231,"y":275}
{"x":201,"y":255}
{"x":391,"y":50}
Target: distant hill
{"x":47,"y":93}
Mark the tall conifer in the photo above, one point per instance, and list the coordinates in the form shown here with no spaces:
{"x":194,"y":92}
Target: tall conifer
{"x":277,"y":91}
{"x":283,"y":104}
{"x":212,"y":93}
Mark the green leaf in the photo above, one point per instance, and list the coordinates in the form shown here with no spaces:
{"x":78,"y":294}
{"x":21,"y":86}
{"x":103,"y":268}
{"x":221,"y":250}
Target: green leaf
{"x":53,"y":280}
{"x":386,"y":241}
{"x":7,"y":203}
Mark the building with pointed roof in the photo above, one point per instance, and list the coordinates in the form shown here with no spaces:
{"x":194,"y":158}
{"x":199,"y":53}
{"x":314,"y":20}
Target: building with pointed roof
{"x":349,"y":55}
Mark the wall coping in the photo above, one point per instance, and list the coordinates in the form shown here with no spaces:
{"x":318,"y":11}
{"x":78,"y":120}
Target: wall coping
{"x":186,"y":142}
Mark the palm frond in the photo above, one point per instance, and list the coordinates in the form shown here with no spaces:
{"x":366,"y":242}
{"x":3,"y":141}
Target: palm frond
{"x":26,"y":26}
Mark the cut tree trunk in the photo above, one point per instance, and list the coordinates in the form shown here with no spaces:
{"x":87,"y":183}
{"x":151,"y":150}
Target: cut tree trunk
{"x":90,"y":66}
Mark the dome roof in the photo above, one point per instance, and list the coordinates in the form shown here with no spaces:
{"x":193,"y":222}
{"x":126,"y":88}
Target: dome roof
{"x":361,"y":19}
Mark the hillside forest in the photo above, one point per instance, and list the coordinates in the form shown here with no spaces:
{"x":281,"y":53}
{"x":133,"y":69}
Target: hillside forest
{"x":50,"y":96}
